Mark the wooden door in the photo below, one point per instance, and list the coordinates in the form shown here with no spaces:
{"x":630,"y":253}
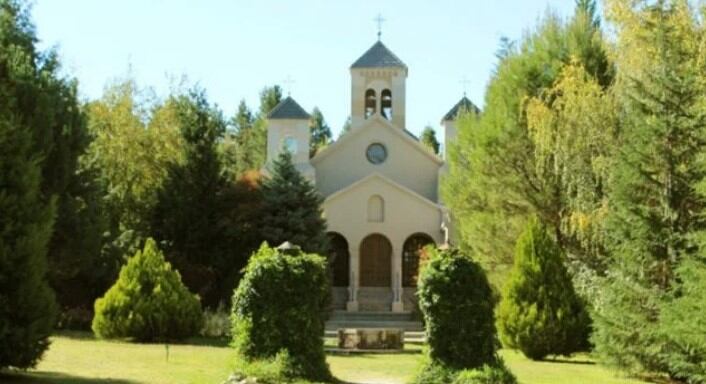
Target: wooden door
{"x":375,"y":262}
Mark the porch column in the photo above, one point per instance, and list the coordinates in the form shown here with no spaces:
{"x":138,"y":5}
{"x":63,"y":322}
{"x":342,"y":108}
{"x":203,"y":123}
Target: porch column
{"x":353,"y":279}
{"x":397,"y":303}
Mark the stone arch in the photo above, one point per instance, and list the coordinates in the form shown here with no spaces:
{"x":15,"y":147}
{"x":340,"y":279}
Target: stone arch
{"x":370,"y":103}
{"x":412,"y":256}
{"x":339,"y":260}
{"x":386,"y":104}
{"x":376,"y":209}
{"x":375,"y":261}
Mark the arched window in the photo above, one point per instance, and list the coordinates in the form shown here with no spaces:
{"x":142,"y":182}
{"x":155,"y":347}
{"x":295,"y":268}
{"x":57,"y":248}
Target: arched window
{"x":386,"y":104}
{"x":370,"y":103}
{"x":376,"y":209}
{"x":338,"y":259}
{"x":412,"y":256}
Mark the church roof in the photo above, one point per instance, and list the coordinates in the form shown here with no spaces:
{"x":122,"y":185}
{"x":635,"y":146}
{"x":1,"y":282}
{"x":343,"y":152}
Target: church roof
{"x":378,"y":56}
{"x":463,"y":105}
{"x":288,"y":109}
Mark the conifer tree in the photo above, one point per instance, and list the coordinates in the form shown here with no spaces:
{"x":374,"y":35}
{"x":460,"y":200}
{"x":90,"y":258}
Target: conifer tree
{"x":191,"y":211}
{"x":291,"y":208}
{"x":148,"y":302}
{"x":656,"y":210}
{"x":428,"y":138}
{"x":540,"y":314}
{"x":27,"y":307}
{"x":320,"y":132}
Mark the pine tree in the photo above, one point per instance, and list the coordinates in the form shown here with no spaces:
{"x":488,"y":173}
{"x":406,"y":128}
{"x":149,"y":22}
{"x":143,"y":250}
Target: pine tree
{"x":540,"y":313}
{"x":428,"y":138}
{"x":28,"y":308}
{"x":291,"y":209}
{"x":320,"y":132}
{"x":656,"y":210}
{"x":190,"y":213}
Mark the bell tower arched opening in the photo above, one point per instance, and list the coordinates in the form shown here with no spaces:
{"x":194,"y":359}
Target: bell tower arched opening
{"x":386,"y":104}
{"x":370,"y":103}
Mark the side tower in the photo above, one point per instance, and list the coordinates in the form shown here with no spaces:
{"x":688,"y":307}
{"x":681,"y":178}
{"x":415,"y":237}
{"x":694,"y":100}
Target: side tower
{"x":449,"y":123}
{"x":378,"y":87}
{"x":288,"y":130}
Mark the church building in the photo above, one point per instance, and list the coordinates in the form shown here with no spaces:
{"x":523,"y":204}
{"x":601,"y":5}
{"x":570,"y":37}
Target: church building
{"x":379,"y":182}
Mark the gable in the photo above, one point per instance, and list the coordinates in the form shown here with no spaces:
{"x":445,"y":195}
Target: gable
{"x":404,"y":212}
{"x":408,"y":162}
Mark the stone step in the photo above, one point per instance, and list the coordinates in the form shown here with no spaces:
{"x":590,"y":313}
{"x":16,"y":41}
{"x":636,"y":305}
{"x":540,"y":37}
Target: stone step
{"x":405,"y":325}
{"x":370,"y":316}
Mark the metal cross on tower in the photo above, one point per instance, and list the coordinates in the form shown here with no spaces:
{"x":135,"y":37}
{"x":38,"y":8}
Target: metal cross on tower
{"x":288,"y":84}
{"x":465,"y":83}
{"x":379,"y":20}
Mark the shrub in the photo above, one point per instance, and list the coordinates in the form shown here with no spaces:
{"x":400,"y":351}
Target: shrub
{"x":457,"y":302}
{"x":148,"y":302}
{"x":216,"y":323}
{"x":488,"y":374}
{"x":540,"y":313}
{"x":434,"y":372}
{"x":279,"y":307}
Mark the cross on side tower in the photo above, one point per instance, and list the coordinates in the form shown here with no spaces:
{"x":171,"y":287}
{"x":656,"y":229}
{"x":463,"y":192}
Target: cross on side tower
{"x":288,"y":84}
{"x":379,"y":20}
{"x":465,"y":83}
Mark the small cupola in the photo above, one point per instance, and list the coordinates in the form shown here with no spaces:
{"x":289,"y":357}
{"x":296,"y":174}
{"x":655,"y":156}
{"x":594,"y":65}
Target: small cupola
{"x":288,"y":130}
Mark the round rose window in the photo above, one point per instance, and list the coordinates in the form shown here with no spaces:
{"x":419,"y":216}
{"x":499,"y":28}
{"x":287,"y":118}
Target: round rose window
{"x":376,"y":153}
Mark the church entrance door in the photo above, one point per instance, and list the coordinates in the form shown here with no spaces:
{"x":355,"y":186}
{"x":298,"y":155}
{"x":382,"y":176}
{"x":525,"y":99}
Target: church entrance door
{"x":375,"y":262}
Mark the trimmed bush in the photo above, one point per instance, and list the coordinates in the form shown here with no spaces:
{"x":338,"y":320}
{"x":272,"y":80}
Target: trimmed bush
{"x":457,"y":302}
{"x":540,"y":313}
{"x":148,"y":302}
{"x":432,"y":372}
{"x":279,"y":308}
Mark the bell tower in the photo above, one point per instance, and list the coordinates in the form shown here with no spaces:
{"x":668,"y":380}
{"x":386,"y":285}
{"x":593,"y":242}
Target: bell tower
{"x":378,"y":80}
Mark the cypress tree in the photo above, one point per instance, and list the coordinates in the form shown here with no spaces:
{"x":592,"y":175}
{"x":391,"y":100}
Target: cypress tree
{"x":291,"y":208}
{"x":27,"y":307}
{"x":540,"y":313}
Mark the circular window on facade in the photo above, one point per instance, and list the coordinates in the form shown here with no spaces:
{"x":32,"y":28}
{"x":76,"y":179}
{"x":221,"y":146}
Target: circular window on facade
{"x":290,"y":144}
{"x":376,"y":153}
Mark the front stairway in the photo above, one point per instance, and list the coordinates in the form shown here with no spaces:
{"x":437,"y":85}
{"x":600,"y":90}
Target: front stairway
{"x":414,"y":329}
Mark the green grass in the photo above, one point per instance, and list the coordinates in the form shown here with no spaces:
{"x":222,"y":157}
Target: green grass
{"x":77,"y":358}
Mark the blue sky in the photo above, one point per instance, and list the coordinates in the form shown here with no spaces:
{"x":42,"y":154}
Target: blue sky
{"x":235,"y":48}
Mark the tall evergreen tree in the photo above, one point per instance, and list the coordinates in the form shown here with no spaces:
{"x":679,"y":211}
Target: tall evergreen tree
{"x":540,"y":313}
{"x":320,"y":132}
{"x":28,"y":308}
{"x":47,"y":104}
{"x":656,"y":210}
{"x":291,"y":208}
{"x":428,"y":138}
{"x":190,"y":209}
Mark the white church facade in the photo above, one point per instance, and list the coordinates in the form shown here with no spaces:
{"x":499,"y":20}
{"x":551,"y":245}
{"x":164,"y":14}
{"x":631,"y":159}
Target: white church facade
{"x":380,"y":185}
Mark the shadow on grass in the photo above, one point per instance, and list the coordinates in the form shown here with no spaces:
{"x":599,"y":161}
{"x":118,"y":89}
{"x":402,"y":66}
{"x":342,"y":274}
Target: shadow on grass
{"x":561,"y":360}
{"x":220,"y":342}
{"x":54,"y":378}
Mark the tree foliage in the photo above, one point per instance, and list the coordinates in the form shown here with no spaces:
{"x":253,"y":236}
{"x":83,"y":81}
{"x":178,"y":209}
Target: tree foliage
{"x":540,"y":314}
{"x":656,"y":208}
{"x":428,"y":138}
{"x":453,"y":287}
{"x":291,"y":208}
{"x":148,"y":302}
{"x":495,"y":178}
{"x":320,"y":132}
{"x":280,"y":306}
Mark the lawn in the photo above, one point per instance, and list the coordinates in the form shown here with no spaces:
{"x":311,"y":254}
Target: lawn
{"x":77,"y":358}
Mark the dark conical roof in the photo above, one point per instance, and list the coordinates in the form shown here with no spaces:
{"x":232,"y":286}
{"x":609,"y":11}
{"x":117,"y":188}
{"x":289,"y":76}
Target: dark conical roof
{"x":288,"y":109}
{"x":378,"y":56}
{"x":463,"y":105}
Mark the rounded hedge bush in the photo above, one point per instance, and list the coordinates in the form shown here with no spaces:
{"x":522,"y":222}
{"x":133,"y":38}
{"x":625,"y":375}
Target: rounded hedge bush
{"x":457,"y":302}
{"x":148,"y":302}
{"x":280,"y":307}
{"x":540,"y":313}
